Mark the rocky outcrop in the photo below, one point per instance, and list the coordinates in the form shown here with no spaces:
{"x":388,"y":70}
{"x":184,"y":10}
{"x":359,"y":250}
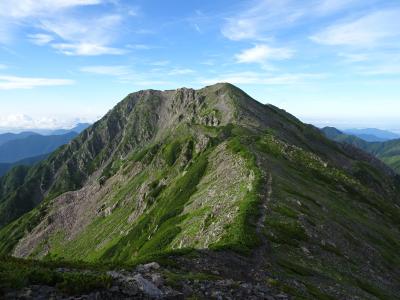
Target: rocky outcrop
{"x":150,"y":281}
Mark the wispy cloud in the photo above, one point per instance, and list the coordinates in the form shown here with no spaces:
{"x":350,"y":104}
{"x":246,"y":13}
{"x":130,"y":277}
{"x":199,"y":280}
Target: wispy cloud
{"x":107,"y":70}
{"x":29,"y":8}
{"x":354,"y":57}
{"x":373,"y":29}
{"x":89,"y":37}
{"x":15,"y":82}
{"x":181,"y":71}
{"x":262,"y":78}
{"x":40,"y":38}
{"x":128,"y":75}
{"x":140,"y":47}
{"x":87,"y":49}
{"x":63,"y":28}
{"x":261,"y":19}
{"x":327,"y":7}
{"x":261,"y":53}
{"x":381,"y":70}
{"x":21,"y":121}
{"x":160,"y":63}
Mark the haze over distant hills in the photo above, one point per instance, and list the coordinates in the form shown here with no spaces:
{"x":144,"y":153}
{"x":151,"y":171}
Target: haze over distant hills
{"x":373,"y":134}
{"x":79,"y":127}
{"x":30,"y":147}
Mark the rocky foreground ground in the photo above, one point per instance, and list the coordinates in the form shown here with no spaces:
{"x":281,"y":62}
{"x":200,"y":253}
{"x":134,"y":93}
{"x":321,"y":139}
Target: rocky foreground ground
{"x":151,"y":281}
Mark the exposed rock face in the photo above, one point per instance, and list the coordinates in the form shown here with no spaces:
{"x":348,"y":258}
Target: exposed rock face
{"x":267,"y":202}
{"x":216,"y":204}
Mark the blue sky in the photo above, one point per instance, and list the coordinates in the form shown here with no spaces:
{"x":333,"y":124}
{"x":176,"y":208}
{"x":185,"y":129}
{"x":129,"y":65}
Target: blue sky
{"x":329,"y":62}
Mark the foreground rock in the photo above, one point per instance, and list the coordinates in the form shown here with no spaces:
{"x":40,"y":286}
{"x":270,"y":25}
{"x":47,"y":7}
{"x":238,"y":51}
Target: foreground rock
{"x":151,"y":281}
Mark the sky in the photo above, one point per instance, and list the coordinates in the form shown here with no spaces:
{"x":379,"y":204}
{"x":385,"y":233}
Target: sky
{"x":328,"y":62}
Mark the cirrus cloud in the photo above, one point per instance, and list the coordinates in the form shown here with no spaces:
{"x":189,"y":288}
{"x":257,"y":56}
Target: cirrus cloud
{"x":258,"y":78}
{"x":8,"y":82}
{"x":373,"y":29}
{"x":29,"y":8}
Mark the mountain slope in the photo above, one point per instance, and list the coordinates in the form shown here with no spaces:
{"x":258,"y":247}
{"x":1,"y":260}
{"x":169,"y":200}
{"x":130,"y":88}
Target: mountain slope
{"x":32,"y":145}
{"x":388,"y":152}
{"x":261,"y":196}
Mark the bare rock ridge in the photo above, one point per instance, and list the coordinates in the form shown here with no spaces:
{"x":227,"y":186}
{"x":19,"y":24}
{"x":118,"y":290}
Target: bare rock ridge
{"x":226,"y":193}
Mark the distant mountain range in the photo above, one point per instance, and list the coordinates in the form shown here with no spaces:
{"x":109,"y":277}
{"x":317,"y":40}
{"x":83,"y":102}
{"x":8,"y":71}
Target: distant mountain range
{"x":27,"y":148}
{"x":32,"y":145}
{"x":373,"y":134}
{"x":78,"y":129}
{"x":388,"y":151}
{"x":7,"y":137}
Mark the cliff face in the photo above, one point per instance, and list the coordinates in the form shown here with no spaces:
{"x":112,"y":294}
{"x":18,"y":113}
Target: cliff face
{"x":212,"y":169}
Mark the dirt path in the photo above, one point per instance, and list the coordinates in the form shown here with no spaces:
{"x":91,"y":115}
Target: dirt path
{"x":266,"y":195}
{"x":259,"y":257}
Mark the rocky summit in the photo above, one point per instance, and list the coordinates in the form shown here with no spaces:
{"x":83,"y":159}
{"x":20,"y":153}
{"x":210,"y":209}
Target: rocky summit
{"x":201,"y":194}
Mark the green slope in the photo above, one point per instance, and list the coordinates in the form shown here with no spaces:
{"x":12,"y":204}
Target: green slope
{"x":215,"y":171}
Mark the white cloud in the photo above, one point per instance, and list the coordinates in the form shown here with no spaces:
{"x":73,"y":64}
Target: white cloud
{"x":6,"y":31}
{"x":140,"y":47}
{"x":95,"y":29}
{"x":373,"y":29}
{"x":15,"y":82}
{"x":258,"y":20}
{"x":87,"y":49}
{"x":180,"y":71}
{"x":332,"y":6}
{"x":62,"y":28}
{"x":29,"y":8}
{"x":208,"y":62}
{"x":88,"y":37}
{"x":263,"y":18}
{"x":381,"y":70}
{"x":262,"y":78}
{"x":19,"y":121}
{"x":160,"y":63}
{"x":107,"y":70}
{"x":354,"y":57}
{"x":40,"y":38}
{"x":263,"y":53}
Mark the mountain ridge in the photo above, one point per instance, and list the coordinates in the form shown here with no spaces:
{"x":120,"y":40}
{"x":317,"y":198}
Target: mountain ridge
{"x":215,"y":171}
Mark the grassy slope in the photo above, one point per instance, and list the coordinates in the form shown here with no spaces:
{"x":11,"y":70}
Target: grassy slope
{"x":17,"y":273}
{"x":157,"y":229}
{"x":325,"y":228}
